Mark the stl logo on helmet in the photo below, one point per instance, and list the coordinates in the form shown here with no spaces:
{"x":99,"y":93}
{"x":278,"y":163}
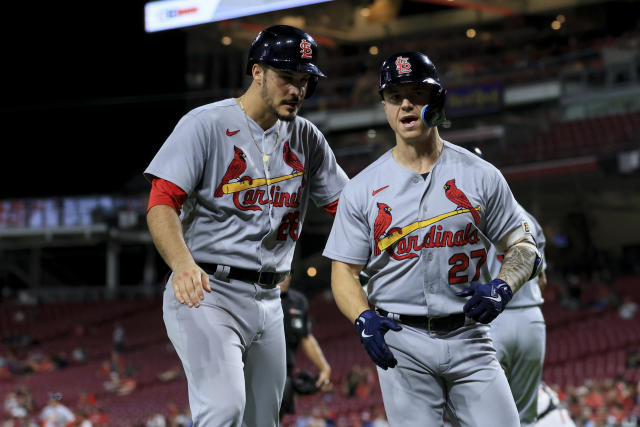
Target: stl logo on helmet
{"x":305,"y":51}
{"x":402,"y":65}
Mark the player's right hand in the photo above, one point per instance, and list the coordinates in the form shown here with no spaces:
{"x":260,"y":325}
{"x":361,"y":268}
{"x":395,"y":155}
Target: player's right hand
{"x":487,"y":300}
{"x":371,"y":329}
{"x":189,"y":283}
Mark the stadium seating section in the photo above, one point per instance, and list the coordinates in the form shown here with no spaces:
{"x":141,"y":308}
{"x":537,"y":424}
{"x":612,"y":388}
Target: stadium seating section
{"x":580,"y":344}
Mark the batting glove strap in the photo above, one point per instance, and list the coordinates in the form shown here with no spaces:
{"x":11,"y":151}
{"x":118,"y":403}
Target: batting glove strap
{"x":371,"y":329}
{"x":487,"y":300}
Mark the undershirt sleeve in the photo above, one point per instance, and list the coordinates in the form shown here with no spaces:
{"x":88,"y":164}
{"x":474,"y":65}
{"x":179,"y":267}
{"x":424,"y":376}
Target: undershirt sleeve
{"x":165,"y":192}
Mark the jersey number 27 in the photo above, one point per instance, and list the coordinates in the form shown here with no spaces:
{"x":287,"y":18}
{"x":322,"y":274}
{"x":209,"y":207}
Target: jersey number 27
{"x":460,"y":262}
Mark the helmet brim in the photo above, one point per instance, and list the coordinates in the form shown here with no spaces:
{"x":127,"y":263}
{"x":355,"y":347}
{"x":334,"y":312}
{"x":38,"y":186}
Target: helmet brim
{"x":296,"y":67}
{"x":400,"y":81}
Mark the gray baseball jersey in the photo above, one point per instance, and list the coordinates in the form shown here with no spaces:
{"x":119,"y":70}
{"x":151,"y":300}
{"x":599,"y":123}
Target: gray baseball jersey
{"x":519,"y":336}
{"x":245,"y":208}
{"x":242,"y":211}
{"x":422,"y":240}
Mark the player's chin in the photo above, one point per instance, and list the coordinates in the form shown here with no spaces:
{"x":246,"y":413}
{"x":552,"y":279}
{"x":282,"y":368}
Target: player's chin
{"x":287,"y":112}
{"x":413,"y":134}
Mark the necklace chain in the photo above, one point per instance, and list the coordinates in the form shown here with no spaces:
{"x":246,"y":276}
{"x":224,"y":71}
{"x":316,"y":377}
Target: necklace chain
{"x":265,"y":156}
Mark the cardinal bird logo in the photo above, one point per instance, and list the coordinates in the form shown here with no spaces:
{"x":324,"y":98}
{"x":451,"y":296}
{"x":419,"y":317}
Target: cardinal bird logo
{"x":292,"y":160}
{"x":235,"y":169}
{"x":454,"y":194}
{"x":380,"y":225}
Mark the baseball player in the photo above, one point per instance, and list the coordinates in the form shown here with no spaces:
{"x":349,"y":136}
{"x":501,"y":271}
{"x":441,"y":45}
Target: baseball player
{"x":519,"y":334}
{"x":551,"y":412}
{"x":420,"y":220}
{"x":297,"y":332}
{"x":230,"y":189}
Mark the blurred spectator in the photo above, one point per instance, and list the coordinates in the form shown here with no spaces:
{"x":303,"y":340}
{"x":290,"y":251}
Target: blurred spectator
{"x":364,"y":388}
{"x":118,"y":338}
{"x":113,"y":384}
{"x":302,"y":419}
{"x":176,"y":418}
{"x":628,"y":308}
{"x":98,"y":417}
{"x":117,"y":363}
{"x":127,"y":385}
{"x":156,"y":420}
{"x":86,"y":402}
{"x":79,"y":354}
{"x":39,"y":362}
{"x":379,"y":418}
{"x":359,"y":382}
{"x":594,"y":399}
{"x":13,"y":408}
{"x":121,"y":382}
{"x":19,"y":403}
{"x":83,"y":419}
{"x":171,"y":374}
{"x":354,"y":377}
{"x":55,"y":414}
{"x":316,"y":419}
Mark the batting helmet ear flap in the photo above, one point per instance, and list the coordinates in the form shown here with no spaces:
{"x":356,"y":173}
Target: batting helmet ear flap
{"x":433,"y":113}
{"x":311,"y":86}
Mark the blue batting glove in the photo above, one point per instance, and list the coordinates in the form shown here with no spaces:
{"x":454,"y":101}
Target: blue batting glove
{"x":371,"y":329}
{"x":487,"y":301}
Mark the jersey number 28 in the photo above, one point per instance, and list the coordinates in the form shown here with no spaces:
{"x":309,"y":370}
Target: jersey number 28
{"x":289,"y":226}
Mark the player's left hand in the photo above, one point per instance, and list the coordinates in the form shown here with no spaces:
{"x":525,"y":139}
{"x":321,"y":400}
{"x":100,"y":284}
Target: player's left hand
{"x":371,"y":329}
{"x":487,"y":301}
{"x":324,"y":380}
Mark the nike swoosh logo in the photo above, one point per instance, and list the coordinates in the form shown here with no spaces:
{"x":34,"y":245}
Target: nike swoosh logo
{"x":232,"y":132}
{"x":374,"y":192}
{"x":496,"y":299}
{"x":362,"y":319}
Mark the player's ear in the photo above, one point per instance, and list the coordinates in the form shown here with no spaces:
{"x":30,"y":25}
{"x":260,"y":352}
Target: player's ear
{"x":258,"y":72}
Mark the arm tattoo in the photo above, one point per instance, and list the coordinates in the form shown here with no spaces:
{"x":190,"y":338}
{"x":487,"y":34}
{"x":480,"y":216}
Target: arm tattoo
{"x":517,"y":265}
